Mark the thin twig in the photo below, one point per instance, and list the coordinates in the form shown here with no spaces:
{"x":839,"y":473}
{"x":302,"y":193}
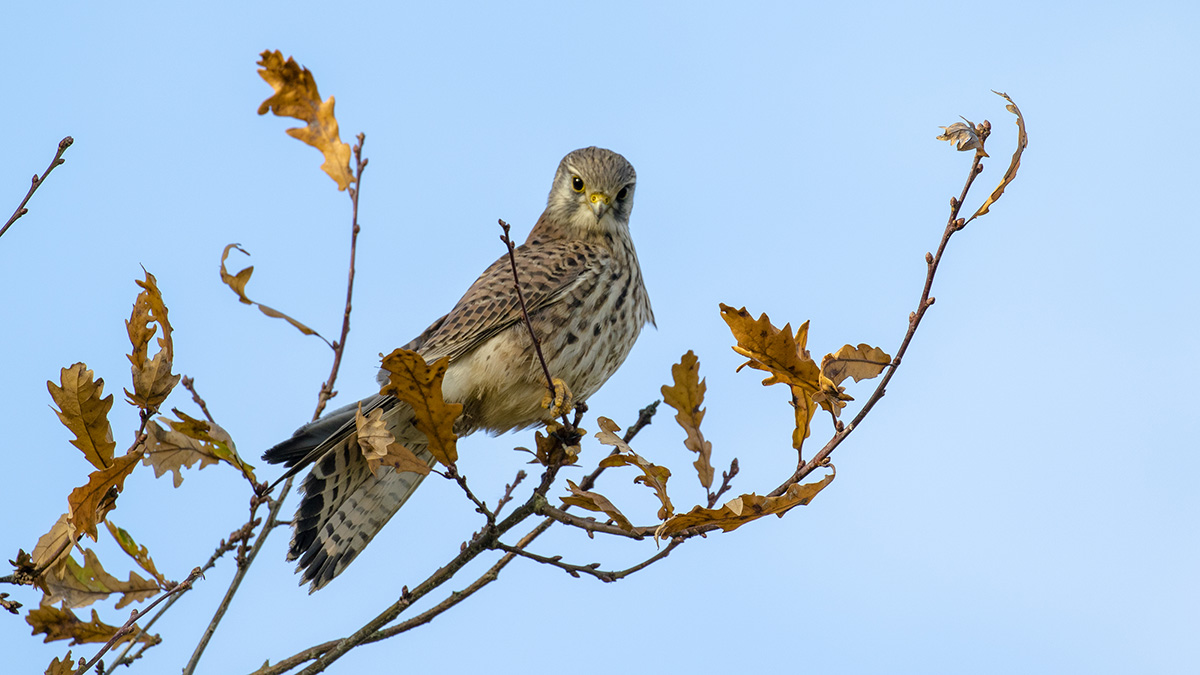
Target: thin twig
{"x":134,"y":616}
{"x":190,"y":384}
{"x":421,"y":619}
{"x":954,"y":224}
{"x":453,"y":474}
{"x":592,"y":569}
{"x":240,"y":574}
{"x":226,"y":545}
{"x":508,"y":490}
{"x":726,"y":483}
{"x":37,"y":182}
{"x":644,"y":416}
{"x":468,"y":553}
{"x":374,"y":631}
{"x":537,"y":343}
{"x":327,"y":391}
{"x":588,"y":524}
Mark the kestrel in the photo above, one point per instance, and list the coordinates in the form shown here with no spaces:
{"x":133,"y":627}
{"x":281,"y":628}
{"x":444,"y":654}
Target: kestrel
{"x":587,"y":303}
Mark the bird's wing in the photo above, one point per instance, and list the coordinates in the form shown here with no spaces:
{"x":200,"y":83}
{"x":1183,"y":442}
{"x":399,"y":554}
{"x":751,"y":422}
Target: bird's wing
{"x":548,"y":271}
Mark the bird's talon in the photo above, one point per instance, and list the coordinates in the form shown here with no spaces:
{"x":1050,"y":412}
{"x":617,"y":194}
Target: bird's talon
{"x":562,"y":401}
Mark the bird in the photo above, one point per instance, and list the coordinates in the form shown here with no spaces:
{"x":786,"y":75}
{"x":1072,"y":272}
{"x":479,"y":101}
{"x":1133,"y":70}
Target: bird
{"x":587,"y":303}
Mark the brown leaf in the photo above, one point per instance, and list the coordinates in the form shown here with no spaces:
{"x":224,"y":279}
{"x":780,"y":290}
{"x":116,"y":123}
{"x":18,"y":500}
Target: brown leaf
{"x":380,"y":448}
{"x":173,"y":451}
{"x":418,"y":384}
{"x":741,"y":510}
{"x":79,"y":585}
{"x":214,"y":441}
{"x":686,"y":396}
{"x":1013,"y":165}
{"x":54,"y":547}
{"x":831,"y":397}
{"x":773,"y":350}
{"x":238,"y":282}
{"x":85,"y":413}
{"x":805,"y":407}
{"x":862,"y":363}
{"x":64,"y":667}
{"x":152,"y":378}
{"x":964,"y":137}
{"x":296,"y":96}
{"x":139,"y":553}
{"x":62,"y":624}
{"x":593,"y":501}
{"x":653,"y":476}
{"x":90,"y":503}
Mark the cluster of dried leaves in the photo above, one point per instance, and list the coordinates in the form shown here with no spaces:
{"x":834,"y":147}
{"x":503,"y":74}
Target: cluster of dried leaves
{"x":168,"y":445}
{"x":71,"y":576}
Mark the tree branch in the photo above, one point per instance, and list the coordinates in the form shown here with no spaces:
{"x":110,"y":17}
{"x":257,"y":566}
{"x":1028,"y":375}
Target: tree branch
{"x":134,"y":616}
{"x":327,"y":391}
{"x":953,"y":224}
{"x":537,"y":343}
{"x":37,"y":182}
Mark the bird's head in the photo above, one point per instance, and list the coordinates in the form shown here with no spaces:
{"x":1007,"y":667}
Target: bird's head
{"x":593,"y":191}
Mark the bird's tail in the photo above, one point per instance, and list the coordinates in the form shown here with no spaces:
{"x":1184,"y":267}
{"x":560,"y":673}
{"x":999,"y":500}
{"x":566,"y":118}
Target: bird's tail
{"x":342,"y":504}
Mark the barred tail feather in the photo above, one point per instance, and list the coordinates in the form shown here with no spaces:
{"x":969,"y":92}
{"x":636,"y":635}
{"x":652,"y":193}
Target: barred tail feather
{"x":343,"y":507}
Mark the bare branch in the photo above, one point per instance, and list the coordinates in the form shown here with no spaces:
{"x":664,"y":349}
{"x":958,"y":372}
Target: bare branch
{"x":327,"y":390}
{"x":190,"y":384}
{"x":135,"y":615}
{"x":243,"y":568}
{"x":508,"y":490}
{"x":726,"y":483}
{"x":537,"y":343}
{"x":953,"y":224}
{"x":590,"y":525}
{"x":37,"y":182}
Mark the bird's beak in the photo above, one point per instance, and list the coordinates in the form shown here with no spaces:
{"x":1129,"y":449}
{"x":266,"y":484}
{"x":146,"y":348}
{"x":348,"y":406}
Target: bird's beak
{"x":600,"y":203}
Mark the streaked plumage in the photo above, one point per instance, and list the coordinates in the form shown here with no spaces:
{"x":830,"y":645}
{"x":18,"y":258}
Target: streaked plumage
{"x":583,"y":288}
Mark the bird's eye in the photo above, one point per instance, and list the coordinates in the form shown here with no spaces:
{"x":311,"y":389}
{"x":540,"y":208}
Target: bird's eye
{"x":577,"y":183}
{"x":623,"y":193}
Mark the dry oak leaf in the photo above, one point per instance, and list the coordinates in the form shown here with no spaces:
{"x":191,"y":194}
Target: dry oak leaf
{"x":296,"y":96}
{"x":831,"y":397}
{"x":62,"y":624}
{"x":64,"y":667}
{"x":152,"y":378}
{"x":54,"y":547}
{"x":804,"y":408}
{"x":551,"y":451}
{"x":83,"y":409}
{"x":593,"y":501}
{"x":380,"y":448}
{"x":139,"y":554}
{"x":214,"y":441}
{"x":168,"y":450}
{"x":653,"y":476}
{"x":862,"y":363}
{"x":686,"y":396}
{"x":79,"y":585}
{"x":90,"y":503}
{"x":1014,"y":164}
{"x":237,"y":282}
{"x":963,"y":136}
{"x":741,"y":510}
{"x":773,"y":350}
{"x":419,"y":385}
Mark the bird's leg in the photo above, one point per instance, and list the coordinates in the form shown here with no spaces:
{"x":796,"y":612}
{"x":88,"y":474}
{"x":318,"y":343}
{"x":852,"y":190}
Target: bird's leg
{"x":562,"y":401}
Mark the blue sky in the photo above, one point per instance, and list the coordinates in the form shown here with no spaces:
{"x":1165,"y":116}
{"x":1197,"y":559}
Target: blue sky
{"x":1023,"y":499}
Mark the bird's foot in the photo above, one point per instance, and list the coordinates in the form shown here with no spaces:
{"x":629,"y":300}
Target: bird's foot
{"x":562,"y":401}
